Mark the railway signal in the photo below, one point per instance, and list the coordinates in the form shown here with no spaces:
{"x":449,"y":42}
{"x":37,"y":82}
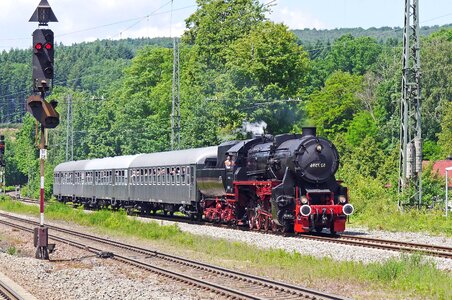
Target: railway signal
{"x":43,"y":111}
{"x":43,"y":55}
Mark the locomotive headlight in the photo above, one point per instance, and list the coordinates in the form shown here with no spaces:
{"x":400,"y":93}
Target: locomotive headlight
{"x":318,"y":148}
{"x":304,"y":200}
{"x":342,"y":199}
{"x":305,"y":210}
{"x":348,"y":209}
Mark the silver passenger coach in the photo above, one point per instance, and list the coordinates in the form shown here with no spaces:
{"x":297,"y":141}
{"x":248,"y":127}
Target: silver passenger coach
{"x":149,"y":179}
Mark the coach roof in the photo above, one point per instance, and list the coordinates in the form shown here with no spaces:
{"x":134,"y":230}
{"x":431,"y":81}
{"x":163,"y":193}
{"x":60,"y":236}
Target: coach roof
{"x":109,"y":163}
{"x":70,"y":166}
{"x":175,"y":158}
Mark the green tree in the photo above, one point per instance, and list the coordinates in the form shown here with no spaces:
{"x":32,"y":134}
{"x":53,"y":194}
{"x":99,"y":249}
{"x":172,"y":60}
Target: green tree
{"x":218,"y":23}
{"x":445,"y":136}
{"x":333,"y":107}
{"x":361,"y":126}
{"x":264,"y":66}
{"x":353,"y":55}
{"x":436,"y":64}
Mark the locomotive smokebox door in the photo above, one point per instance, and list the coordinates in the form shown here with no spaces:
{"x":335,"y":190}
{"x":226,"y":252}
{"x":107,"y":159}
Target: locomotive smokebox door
{"x":41,"y":237}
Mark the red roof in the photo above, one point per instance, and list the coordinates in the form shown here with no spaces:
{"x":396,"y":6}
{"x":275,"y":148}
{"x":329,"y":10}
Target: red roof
{"x":440,"y":168}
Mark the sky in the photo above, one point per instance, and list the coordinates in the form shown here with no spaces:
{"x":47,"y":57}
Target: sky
{"x":88,"y":20}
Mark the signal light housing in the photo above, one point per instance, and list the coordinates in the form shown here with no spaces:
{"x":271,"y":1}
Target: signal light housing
{"x":43,"y":111}
{"x":43,"y":41}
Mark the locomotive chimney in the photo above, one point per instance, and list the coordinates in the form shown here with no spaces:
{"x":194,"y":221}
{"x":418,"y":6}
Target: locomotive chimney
{"x":308,"y":131}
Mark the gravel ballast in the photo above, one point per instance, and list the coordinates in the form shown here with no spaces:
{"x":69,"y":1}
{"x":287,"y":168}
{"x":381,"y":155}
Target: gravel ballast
{"x":322,"y":249}
{"x":94,"y":278}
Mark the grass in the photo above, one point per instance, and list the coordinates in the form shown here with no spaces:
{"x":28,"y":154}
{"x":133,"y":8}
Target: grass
{"x":410,"y":276}
{"x":432,"y":221}
{"x":11,"y":250}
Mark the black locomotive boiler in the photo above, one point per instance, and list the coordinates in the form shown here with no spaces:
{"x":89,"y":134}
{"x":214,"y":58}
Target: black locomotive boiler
{"x":285,"y":182}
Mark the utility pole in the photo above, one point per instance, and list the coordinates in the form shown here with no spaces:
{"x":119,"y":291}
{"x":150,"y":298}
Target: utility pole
{"x":2,"y":164}
{"x":69,"y":129}
{"x":410,"y":158}
{"x":43,"y":111}
{"x":175,"y":114}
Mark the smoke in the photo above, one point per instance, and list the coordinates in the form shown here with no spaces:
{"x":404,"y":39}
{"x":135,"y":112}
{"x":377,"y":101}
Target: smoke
{"x":256,"y":128}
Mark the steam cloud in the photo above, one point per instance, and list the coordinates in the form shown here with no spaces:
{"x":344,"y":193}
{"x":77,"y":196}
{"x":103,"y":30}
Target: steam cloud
{"x":256,"y":128}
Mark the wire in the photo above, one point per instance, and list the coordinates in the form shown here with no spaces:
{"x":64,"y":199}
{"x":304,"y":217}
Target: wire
{"x":143,"y":18}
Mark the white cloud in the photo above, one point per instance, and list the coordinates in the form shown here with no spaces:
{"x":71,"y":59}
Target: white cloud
{"x":152,"y":31}
{"x":295,"y":18}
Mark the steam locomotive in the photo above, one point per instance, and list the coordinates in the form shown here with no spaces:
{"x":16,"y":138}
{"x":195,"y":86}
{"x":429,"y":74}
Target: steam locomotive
{"x":281,"y":183}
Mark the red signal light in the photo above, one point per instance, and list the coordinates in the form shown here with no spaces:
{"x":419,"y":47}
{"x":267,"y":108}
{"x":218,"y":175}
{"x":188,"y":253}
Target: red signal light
{"x":48,"y":46}
{"x":38,"y":46}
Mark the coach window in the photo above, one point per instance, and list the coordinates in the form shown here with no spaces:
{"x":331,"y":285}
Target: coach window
{"x":187,"y":176}
{"x":182,"y":175}
{"x":154,"y":176}
{"x":178,"y":175}
{"x":172,"y":175}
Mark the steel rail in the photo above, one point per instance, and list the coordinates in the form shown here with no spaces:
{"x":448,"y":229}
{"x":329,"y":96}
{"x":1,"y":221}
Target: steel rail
{"x":375,"y":243}
{"x":7,"y":293}
{"x":383,"y":244}
{"x":263,"y":284}
{"x":160,"y":271}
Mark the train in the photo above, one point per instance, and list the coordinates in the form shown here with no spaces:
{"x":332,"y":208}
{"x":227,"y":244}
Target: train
{"x":282,"y":183}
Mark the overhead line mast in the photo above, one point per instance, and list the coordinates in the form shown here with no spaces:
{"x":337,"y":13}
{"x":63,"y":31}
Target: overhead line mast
{"x":175,"y":112}
{"x":410,"y":158}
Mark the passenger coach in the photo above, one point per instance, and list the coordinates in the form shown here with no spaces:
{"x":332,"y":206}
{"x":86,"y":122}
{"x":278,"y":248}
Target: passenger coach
{"x":150,"y":182}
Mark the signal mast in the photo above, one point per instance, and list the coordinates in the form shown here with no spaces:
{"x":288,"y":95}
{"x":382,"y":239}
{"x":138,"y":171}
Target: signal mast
{"x":43,"y":111}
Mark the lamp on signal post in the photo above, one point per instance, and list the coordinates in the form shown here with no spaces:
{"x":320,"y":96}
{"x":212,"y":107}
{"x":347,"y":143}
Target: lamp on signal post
{"x":43,"y":111}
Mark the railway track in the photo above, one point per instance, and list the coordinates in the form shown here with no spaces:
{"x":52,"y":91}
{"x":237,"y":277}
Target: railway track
{"x":7,"y":293}
{"x":389,"y":245}
{"x":227,"y":283}
{"x":432,"y":250}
